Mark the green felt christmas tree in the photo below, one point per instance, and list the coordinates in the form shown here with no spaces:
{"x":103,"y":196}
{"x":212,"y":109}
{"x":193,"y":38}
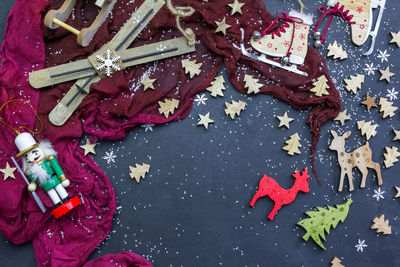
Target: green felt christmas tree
{"x":322,"y":220}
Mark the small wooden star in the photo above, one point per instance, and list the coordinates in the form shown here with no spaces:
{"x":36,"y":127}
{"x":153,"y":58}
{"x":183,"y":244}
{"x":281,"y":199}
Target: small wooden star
{"x":222,"y":26}
{"x":205,"y":120}
{"x":148,"y":83}
{"x":369,"y":102}
{"x":8,"y":172}
{"x":386,"y":74}
{"x":395,"y":38}
{"x":284,"y":120}
{"x":397,"y":135}
{"x":398,"y":192}
{"x":89,"y":147}
{"x":236,"y":7}
{"x":342,"y":117}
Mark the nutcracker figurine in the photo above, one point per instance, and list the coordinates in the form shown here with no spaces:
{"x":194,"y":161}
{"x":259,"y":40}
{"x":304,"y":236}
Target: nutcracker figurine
{"x":42,"y":168}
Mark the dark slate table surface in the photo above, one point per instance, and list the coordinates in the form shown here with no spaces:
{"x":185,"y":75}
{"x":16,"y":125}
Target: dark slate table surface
{"x":193,"y":207}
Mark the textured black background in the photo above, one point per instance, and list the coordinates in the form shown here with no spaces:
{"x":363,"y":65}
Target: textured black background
{"x":192,"y":208}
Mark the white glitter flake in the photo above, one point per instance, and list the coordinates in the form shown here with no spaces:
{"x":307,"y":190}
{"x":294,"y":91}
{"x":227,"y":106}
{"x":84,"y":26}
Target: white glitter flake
{"x":361,"y":245}
{"x":392,"y":94}
{"x":378,"y":194}
{"x":201,"y":99}
{"x":383,"y":55}
{"x":110,"y":157}
{"x":108,"y":63}
{"x":148,"y":127}
{"x":370,"y":69}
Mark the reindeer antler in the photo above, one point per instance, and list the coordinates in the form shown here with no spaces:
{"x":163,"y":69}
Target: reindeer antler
{"x":304,"y":174}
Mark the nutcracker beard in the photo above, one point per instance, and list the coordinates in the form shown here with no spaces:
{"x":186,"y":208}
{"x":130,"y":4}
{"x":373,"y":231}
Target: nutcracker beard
{"x":38,"y":172}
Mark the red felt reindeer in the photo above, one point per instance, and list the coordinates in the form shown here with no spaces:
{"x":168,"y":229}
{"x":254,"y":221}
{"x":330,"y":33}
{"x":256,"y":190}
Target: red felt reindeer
{"x":269,"y":187}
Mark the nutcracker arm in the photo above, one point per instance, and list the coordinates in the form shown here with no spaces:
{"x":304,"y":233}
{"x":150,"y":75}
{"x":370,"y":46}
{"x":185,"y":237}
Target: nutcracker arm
{"x":56,"y":167}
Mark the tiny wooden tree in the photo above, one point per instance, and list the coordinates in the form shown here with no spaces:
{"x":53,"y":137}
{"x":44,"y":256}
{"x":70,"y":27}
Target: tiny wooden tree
{"x":217,"y":86}
{"x":336,"y":263}
{"x":354,"y":83}
{"x":322,"y":220}
{"x":367,"y":128}
{"x":381,"y":225}
{"x":320,"y":86}
{"x":387,"y":108}
{"x":191,"y":67}
{"x":168,"y":107}
{"x":234,"y":108}
{"x":251,"y":84}
{"x":139,"y":171}
{"x":293,"y":144}
{"x":391,"y":156}
{"x":336,"y":51}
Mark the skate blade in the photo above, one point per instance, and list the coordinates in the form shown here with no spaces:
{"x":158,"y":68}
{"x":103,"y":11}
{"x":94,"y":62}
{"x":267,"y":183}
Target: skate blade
{"x":374,"y":33}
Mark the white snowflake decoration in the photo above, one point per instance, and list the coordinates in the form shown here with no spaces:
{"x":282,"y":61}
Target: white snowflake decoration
{"x":201,"y":99}
{"x":361,"y":245}
{"x":110,"y":157}
{"x":370,"y":69}
{"x":108,"y":63}
{"x":148,"y":127}
{"x":378,"y":194}
{"x":392,"y":94}
{"x":383,"y":55}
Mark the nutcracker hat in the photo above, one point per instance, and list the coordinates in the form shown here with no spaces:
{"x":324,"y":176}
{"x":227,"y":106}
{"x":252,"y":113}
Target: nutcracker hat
{"x":25,"y":143}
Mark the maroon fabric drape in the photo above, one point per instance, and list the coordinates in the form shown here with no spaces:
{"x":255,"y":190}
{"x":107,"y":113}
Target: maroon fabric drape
{"x":117,"y":104}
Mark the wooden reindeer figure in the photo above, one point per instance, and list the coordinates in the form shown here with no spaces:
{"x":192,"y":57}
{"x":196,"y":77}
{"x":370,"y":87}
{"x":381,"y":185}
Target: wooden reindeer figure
{"x":360,"y":158}
{"x":269,"y":187}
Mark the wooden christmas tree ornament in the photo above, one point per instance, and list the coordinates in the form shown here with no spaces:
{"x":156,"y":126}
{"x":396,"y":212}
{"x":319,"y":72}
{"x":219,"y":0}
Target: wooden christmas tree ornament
{"x":234,"y":108}
{"x":336,"y":263}
{"x":322,"y":219}
{"x":391,"y":156}
{"x":91,"y":70}
{"x":367,"y":128}
{"x":381,"y":225}
{"x":251,"y":84}
{"x":191,"y":67}
{"x":293,"y":144}
{"x":320,"y":86}
{"x":387,"y":108}
{"x":354,"y":83}
{"x":168,"y":106}
{"x":139,"y":171}
{"x":360,"y":158}
{"x":217,"y":86}
{"x":336,"y":51}
{"x":269,"y":187}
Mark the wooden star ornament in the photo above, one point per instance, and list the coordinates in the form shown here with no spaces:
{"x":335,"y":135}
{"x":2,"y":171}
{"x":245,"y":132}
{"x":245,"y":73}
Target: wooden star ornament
{"x":398,"y":191}
{"x":386,"y":74}
{"x":395,"y":38}
{"x":284,"y":120}
{"x":236,"y":7}
{"x":222,"y":26}
{"x":89,"y":147}
{"x":148,"y":83}
{"x":397,"y":135}
{"x":342,"y":117}
{"x":8,"y":172}
{"x":369,"y":102}
{"x":205,"y":120}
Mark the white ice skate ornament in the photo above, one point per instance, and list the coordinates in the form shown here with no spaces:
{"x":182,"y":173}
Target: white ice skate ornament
{"x":358,"y":14}
{"x":289,"y":42}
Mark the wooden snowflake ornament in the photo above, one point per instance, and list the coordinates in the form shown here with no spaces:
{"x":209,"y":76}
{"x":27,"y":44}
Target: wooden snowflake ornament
{"x":387,"y":108}
{"x":269,"y":187}
{"x":381,"y":225}
{"x":336,"y":263}
{"x":234,"y":108}
{"x":367,"y":128}
{"x":320,"y":86}
{"x":360,"y":158}
{"x":391,"y":156}
{"x":293,"y":144}
{"x":322,"y":219}
{"x":217,"y":86}
{"x":251,"y":84}
{"x":168,"y":106}
{"x":139,"y":171}
{"x":191,"y":67}
{"x":336,"y":51}
{"x":354,"y":83}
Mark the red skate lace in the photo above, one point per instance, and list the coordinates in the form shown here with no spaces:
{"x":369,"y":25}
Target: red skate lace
{"x":336,"y":10}
{"x":286,"y":19}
